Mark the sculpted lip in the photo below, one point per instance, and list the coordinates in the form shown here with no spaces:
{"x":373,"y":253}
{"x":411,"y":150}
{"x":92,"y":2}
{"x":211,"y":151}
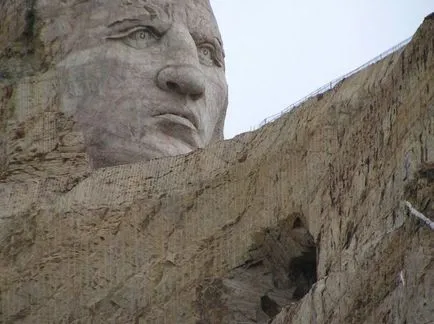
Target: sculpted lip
{"x":184,"y":118}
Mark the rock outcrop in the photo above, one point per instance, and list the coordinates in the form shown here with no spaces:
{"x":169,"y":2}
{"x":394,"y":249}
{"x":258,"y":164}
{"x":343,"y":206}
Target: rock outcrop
{"x":301,"y":221}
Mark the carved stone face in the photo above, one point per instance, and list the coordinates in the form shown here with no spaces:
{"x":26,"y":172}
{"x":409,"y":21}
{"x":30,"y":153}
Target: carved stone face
{"x":144,"y":79}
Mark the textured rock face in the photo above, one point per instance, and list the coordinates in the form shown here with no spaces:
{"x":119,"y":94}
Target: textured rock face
{"x":141,"y":79}
{"x":300,"y":222}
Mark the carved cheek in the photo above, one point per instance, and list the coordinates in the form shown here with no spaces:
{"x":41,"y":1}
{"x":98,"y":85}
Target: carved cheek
{"x":216,"y":93}
{"x":132,"y":70}
{"x":217,"y":81}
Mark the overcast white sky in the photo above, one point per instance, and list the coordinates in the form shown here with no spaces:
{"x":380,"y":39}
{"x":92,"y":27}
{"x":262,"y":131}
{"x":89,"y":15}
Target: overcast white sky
{"x":278,"y":51}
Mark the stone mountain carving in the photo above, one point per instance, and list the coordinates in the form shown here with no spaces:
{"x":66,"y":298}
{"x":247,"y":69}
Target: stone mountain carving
{"x":300,"y":221}
{"x":141,"y":79}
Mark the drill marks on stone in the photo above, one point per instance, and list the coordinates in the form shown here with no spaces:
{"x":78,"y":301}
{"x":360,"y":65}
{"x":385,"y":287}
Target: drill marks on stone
{"x":16,"y":198}
{"x":33,"y":130}
{"x":24,"y":102}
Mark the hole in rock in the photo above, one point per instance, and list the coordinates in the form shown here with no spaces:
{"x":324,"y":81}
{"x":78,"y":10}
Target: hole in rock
{"x":302,"y":270}
{"x":297,"y":223}
{"x":269,"y":306}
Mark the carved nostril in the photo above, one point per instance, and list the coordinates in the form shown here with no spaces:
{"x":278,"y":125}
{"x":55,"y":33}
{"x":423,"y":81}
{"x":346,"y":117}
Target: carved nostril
{"x":173,"y":86}
{"x":196,"y":96}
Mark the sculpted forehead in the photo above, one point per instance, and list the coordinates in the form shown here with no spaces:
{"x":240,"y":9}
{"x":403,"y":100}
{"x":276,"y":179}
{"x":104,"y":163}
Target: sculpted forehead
{"x":196,"y":14}
{"x":200,"y":18}
{"x":87,"y":21}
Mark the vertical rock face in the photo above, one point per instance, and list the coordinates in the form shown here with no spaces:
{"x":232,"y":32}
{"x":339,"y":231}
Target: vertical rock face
{"x":301,"y":221}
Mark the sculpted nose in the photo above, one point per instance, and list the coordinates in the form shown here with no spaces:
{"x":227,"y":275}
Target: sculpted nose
{"x":182,"y":79}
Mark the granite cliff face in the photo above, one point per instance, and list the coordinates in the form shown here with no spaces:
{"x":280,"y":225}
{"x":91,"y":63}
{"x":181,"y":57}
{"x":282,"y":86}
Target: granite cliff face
{"x":301,"y":221}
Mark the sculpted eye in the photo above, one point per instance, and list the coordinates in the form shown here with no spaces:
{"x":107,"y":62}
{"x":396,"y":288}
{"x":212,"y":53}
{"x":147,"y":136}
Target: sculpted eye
{"x":207,"y":55}
{"x":141,"y":38}
{"x":138,"y":37}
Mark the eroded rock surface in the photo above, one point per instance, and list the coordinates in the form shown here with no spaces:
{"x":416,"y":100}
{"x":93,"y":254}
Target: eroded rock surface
{"x":301,"y":221}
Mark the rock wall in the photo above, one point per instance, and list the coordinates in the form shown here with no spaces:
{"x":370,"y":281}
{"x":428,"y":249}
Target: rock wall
{"x":301,"y":221}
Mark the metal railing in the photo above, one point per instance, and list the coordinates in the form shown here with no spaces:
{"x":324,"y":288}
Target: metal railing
{"x":332,"y":84}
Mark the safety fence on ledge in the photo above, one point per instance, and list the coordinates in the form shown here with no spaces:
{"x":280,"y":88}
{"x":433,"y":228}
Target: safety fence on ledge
{"x":333,"y":83}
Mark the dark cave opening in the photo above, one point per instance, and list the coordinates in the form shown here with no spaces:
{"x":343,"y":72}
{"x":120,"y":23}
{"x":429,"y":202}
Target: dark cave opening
{"x":302,"y":271}
{"x":300,"y":268}
{"x":279,"y":270}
